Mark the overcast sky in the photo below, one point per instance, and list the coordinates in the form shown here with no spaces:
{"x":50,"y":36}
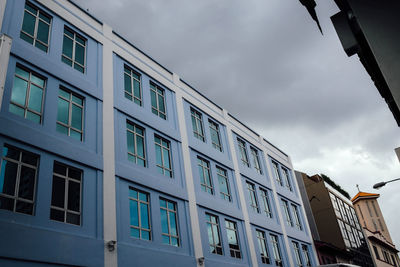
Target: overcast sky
{"x":266,"y":62}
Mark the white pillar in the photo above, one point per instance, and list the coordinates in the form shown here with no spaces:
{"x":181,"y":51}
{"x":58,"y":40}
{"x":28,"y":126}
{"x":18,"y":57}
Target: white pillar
{"x":5,"y":47}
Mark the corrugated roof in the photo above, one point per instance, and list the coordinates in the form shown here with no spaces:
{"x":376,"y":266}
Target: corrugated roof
{"x":364,"y":195}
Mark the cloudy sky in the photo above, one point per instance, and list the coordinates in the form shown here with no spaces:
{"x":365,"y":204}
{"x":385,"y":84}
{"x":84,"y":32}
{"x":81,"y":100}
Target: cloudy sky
{"x":266,"y":62}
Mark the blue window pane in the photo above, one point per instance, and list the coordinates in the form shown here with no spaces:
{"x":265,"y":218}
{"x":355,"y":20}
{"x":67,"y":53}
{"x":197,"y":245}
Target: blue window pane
{"x":165,"y":239}
{"x":127,"y":83}
{"x":139,"y":131}
{"x":63,"y":111}
{"x":143,"y":196}
{"x":136,"y":88}
{"x":130,"y":142}
{"x":22,"y":73}
{"x":64,"y":94}
{"x":161,"y":103}
{"x":166,"y":158}
{"x":18,"y":94}
{"x":153,"y":99}
{"x":32,"y":117}
{"x":158,"y":155}
{"x":80,"y":54}
{"x":35,"y":98}
{"x":44,"y":17}
{"x":67,"y":47}
{"x":216,"y":234}
{"x":66,"y":61}
{"x":145,"y":235}
{"x":133,"y":210}
{"x":76,"y":135}
{"x":140,"y":162}
{"x":174,"y":241}
{"x":163,"y":203}
{"x":36,"y":80}
{"x":172,"y":220}
{"x":164,"y":222}
{"x":79,"y":68}
{"x":80,"y":40}
{"x":171,"y":205}
{"x":133,"y":193}
{"x":135,"y":232}
{"x":31,"y":9}
{"x":144,"y":216}
{"x":28,"y":25}
{"x":160,"y":170}
{"x":7,"y":177}
{"x":62,"y":129}
{"x":128,"y":96}
{"x":17,"y":110}
{"x":43,"y":32}
{"x":140,"y":146}
{"x":41,"y":47}
{"x":77,"y":100}
{"x":76,"y":120}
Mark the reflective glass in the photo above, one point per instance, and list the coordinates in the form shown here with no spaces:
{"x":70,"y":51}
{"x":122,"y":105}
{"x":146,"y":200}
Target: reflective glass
{"x":18,"y":94}
{"x":134,"y":216}
{"x":8,"y":177}
{"x":164,"y":222}
{"x":63,"y":111}
{"x":58,"y":192}
{"x":144,"y":216}
{"x":28,"y":25}
{"x":80,"y":54}
{"x":43,"y":32}
{"x":26,"y":183}
{"x":76,"y":120}
{"x":74,"y":194}
{"x":35,"y":98}
{"x":67,"y":47}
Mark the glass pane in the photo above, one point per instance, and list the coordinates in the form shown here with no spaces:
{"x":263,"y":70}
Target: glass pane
{"x":160,"y":170}
{"x":17,"y":110}
{"x":21,"y":72}
{"x":26,"y":38}
{"x":80,"y":54}
{"x":172,"y":220}
{"x":6,"y":203}
{"x":174,"y":241}
{"x":24,"y":207}
{"x":161,"y":103}
{"x":28,"y":25}
{"x":171,"y":205}
{"x":153,"y":99}
{"x":63,"y":111}
{"x":165,"y":239}
{"x":140,"y":162}
{"x":62,"y":129}
{"x":41,"y":46}
{"x":130,"y":142}
{"x":164,"y":222}
{"x":77,"y":100}
{"x":133,"y":211}
{"x":76,"y":118}
{"x":139,"y":131}
{"x":65,"y":60}
{"x":158,"y":155}
{"x":35,"y":98}
{"x":79,"y":68}
{"x":76,"y":135}
{"x":74,"y":174}
{"x":140,"y":147}
{"x":64,"y":94}
{"x":67,"y":47}
{"x":33,"y":117}
{"x":43,"y":32}
{"x":73,"y":218}
{"x":10,"y":152}
{"x":222,"y":185}
{"x":127,"y":83}
{"x":26,"y":183}
{"x":128,"y":96}
{"x":143,"y":196}
{"x":135,"y":232}
{"x":60,"y":169}
{"x":18,"y":94}
{"x":58,"y":192}
{"x":216,"y":234}
{"x":136,"y":89}
{"x":163,"y":203}
{"x":37,"y":81}
{"x":69,"y":33}
{"x":133,"y":193}
{"x":57,"y":215}
{"x":144,"y":216}
{"x":80,"y":40}
{"x":7,"y":177}
{"x":31,"y":9}
{"x":74,"y":195}
{"x":166,"y":158}
{"x":44,"y":17}
{"x":145,"y":235}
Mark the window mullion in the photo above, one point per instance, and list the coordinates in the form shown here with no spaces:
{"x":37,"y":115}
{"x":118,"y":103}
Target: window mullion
{"x":36,"y":27}
{"x":17,"y":182}
{"x":135,"y":144}
{"x":73,"y":50}
{"x":139,"y":216}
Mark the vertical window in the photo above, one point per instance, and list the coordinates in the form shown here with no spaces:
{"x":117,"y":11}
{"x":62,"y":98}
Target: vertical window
{"x":276,"y":250}
{"x":287,"y":179}
{"x":169,"y":223}
{"x":253,"y":197}
{"x":139,"y":209}
{"x":18,"y":175}
{"x":224,"y":191}
{"x":158,"y":101}
{"x":266,"y":203}
{"x":393,"y":260}
{"x":335,"y":205}
{"x":205,"y":177}
{"x":74,"y":50}
{"x":243,"y":152}
{"x":135,"y":141}
{"x":381,"y":225}
{"x":231,"y":232}
{"x":287,"y":213}
{"x":297,"y":255}
{"x":132,"y":85}
{"x":27,"y":95}
{"x":66,"y":194}
{"x":163,"y":156}
{"x":70,"y":114}
{"x":197,"y":125}
{"x":215,"y":135}
{"x":296,"y":217}
{"x":256,"y":159}
{"x":262,"y":245}
{"x":275,"y":168}
{"x":36,"y":27}
{"x":214,"y":239}
{"x":306,"y":255}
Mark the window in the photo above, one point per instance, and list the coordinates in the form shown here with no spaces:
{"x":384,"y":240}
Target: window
{"x":132,"y":84}
{"x":296,"y":217}
{"x":296,"y":249}
{"x":306,"y":255}
{"x":74,"y":49}
{"x":205,"y":177}
{"x":335,"y":205}
{"x":66,"y":194}
{"x":253,"y":197}
{"x":287,"y":179}
{"x":36,"y":27}
{"x":369,"y":209}
{"x":276,"y":250}
{"x":224,"y":191}
{"x":163,"y":156}
{"x":243,"y":152}
{"x":27,"y":95}
{"x":158,"y":101}
{"x":169,"y":224}
{"x":256,"y":160}
{"x":135,"y":141}
{"x":276,"y":173}
{"x":18,"y":175}
{"x":287,"y":213}
{"x":376,"y":253}
{"x":262,"y":245}
{"x":70,"y":114}
{"x":373,"y":205}
{"x":214,"y":239}
{"x":139,"y":208}
{"x":215,"y":136}
{"x":231,"y":232}
{"x":393,"y":260}
{"x":197,"y":125}
{"x":266,"y":203}
{"x":381,"y":225}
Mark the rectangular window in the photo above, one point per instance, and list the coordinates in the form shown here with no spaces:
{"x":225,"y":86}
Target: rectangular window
{"x":18,"y":175}
{"x":393,"y":260}
{"x":215,"y":135}
{"x":287,"y":213}
{"x":287,"y":179}
{"x":335,"y":205}
{"x":158,"y":101}
{"x":70,"y":114}
{"x":197,"y":124}
{"x":136,"y":143}
{"x":266,"y":203}
{"x":296,"y":249}
{"x":214,"y":239}
{"x":163,"y":156}
{"x":205,"y":176}
{"x":27,"y":95}
{"x":231,"y":232}
{"x":36,"y":27}
{"x":74,"y":50}
{"x":243,"y":152}
{"x":256,"y":159}
{"x":132,"y":85}
{"x":169,"y":223}
{"x":223,"y":182}
{"x":262,"y":245}
{"x":253,"y":197}
{"x":139,"y":209}
{"x":275,"y":168}
{"x":276,"y":250}
{"x":296,"y":217}
{"x":306,"y":255}
{"x":66,"y":198}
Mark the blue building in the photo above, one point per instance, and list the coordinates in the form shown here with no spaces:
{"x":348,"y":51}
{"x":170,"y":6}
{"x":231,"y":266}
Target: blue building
{"x":110,"y":159}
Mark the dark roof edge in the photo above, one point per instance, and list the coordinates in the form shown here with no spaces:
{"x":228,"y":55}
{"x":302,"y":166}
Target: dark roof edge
{"x":84,"y":11}
{"x":197,"y":91}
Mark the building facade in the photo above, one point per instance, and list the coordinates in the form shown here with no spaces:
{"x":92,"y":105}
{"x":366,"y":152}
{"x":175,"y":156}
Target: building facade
{"x":377,"y":232}
{"x":110,"y":159}
{"x":337,"y":233}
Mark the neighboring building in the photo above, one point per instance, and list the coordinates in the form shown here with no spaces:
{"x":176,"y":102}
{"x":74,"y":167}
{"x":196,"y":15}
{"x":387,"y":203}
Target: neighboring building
{"x":378,"y":236}
{"x":108,"y":158}
{"x":337,"y":233}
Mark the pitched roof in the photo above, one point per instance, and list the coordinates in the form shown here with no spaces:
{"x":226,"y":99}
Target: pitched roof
{"x":363,"y":195}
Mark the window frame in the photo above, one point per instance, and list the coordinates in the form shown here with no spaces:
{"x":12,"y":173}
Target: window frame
{"x":212,"y":243}
{"x":243,"y":152}
{"x":175,"y":212}
{"x":256,"y":160}
{"x":306,"y":255}
{"x":266,"y":202}
{"x":286,"y":175}
{"x":74,"y":43}
{"x":168,"y":148}
{"x":224,"y":175}
{"x":253,"y":197}
{"x":297,"y":220}
{"x":139,"y":202}
{"x":204,"y":186}
{"x":296,"y":249}
{"x":131,"y":93}
{"x":278,"y":178}
{"x":154,"y":88}
{"x":234,"y":252}
{"x":197,"y":119}
{"x":276,"y":249}
{"x":262,"y":242}
{"x":215,"y":127}
{"x":289,"y":220}
{"x":135,"y":134}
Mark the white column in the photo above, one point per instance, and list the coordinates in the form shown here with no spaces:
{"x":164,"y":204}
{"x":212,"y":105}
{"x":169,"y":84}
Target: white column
{"x":109,"y":200}
{"x":5,"y":47}
{"x":2,"y":11}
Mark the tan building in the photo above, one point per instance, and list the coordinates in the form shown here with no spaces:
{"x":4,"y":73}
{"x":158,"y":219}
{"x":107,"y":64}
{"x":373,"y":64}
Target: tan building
{"x":376,"y":231}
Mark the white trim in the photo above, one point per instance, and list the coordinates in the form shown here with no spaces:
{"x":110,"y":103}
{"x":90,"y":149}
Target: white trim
{"x":5,"y":48}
